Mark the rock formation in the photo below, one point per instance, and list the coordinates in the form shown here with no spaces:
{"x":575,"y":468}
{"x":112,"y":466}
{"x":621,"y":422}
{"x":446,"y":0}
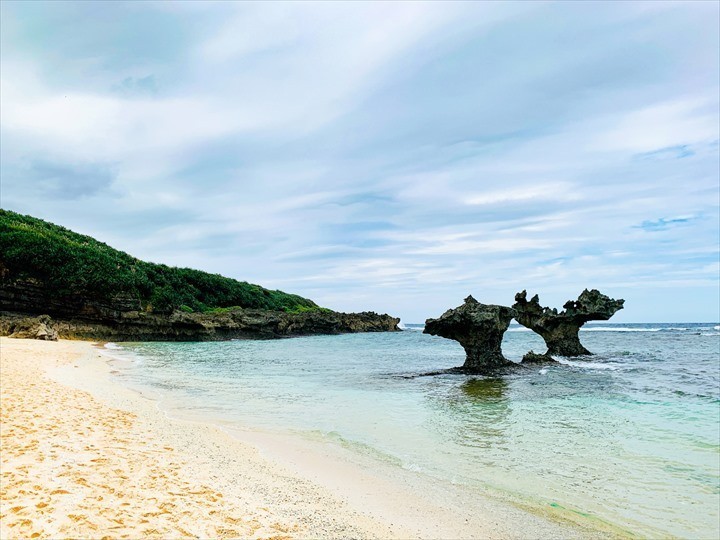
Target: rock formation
{"x":479,"y":328}
{"x":180,"y":326}
{"x":83,"y":316}
{"x":34,"y":328}
{"x":93,"y":291}
{"x":531,"y":357}
{"x":561,"y":330}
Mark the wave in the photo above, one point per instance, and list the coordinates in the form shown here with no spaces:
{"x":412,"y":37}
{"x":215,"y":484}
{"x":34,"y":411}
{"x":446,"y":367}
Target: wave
{"x":521,"y":329}
{"x":614,"y":329}
{"x":414,"y":327}
{"x":118,"y":353}
{"x":620,"y":329}
{"x":652,"y":329}
{"x":587,"y":365}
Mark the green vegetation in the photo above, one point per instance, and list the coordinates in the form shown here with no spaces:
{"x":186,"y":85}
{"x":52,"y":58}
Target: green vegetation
{"x":307,"y":309}
{"x":68,"y":263}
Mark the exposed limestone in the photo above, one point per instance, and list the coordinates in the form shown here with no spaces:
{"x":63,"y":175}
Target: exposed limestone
{"x":82,"y":316}
{"x":532,"y":357}
{"x":561,"y":330}
{"x":180,"y":326}
{"x":33,"y":328}
{"x":479,"y":328}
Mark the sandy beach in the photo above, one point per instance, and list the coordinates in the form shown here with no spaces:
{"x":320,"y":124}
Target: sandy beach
{"x":82,"y":456}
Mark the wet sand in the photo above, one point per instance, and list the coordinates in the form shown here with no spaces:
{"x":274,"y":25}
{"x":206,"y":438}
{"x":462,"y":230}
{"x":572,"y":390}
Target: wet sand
{"x":83,"y":456}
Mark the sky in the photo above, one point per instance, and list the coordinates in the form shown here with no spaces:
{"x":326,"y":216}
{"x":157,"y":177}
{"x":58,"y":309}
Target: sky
{"x":392,"y":157}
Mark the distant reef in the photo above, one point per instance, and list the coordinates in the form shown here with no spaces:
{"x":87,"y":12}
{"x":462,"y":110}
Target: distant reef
{"x":57,"y":283}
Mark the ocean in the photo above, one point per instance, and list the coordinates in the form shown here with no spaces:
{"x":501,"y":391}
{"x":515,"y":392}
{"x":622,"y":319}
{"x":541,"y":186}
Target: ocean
{"x":629,"y":436}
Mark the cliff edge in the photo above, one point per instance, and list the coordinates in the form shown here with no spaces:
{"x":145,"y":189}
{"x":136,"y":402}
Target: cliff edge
{"x":86,"y":289}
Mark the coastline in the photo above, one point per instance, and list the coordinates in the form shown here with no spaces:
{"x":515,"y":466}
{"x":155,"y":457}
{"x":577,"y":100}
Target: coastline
{"x":119,"y":465}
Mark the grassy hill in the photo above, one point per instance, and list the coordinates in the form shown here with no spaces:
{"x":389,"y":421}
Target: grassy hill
{"x":67,"y":263}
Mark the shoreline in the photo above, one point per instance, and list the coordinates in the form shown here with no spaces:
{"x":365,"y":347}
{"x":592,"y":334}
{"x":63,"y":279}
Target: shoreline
{"x":242,"y":482}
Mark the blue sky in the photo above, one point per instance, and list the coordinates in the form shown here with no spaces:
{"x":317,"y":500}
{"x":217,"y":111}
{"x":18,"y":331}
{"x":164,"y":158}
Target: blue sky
{"x":383,"y":156}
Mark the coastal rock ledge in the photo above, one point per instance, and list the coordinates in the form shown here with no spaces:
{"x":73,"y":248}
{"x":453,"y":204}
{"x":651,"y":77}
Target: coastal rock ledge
{"x":179,"y":326}
{"x":479,"y":328}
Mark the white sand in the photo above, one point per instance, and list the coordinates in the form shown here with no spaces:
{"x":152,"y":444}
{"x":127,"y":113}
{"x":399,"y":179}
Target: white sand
{"x":82,"y":456}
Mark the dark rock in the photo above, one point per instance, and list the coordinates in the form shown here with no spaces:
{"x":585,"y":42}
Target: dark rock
{"x":479,"y":328}
{"x":34,"y":328}
{"x":31,"y":296}
{"x":561,"y":330}
{"x":82,"y":316}
{"x":181,"y":326}
{"x":534,"y":358}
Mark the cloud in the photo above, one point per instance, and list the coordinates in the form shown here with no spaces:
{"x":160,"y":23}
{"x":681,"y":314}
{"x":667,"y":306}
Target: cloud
{"x":65,"y":181}
{"x":386,"y":156}
{"x":673,"y":123}
{"x":671,"y":152}
{"x":134,"y":86}
{"x":664,"y":223}
{"x":560,"y":191}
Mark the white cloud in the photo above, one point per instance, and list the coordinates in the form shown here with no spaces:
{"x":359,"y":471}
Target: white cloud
{"x":551,"y":191}
{"x":662,"y":125}
{"x":374,"y":155}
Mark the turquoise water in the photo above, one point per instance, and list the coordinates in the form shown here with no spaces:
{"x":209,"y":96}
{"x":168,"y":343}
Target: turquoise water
{"x":630,"y":436}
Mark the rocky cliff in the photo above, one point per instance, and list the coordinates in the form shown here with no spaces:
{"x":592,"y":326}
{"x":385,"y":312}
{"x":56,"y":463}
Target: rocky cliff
{"x":84,"y":317}
{"x":91,"y":290}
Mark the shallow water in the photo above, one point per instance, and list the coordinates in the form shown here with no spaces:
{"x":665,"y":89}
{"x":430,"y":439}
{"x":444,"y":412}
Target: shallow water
{"x":630,"y":435}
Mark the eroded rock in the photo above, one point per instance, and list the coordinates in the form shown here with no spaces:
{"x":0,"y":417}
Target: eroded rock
{"x":561,"y":330}
{"x":479,"y":328}
{"x":531,"y":357}
{"x":180,"y":326}
{"x":35,"y":328}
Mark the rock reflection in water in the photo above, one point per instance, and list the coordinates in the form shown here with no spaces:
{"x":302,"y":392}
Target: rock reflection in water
{"x":481,"y":411}
{"x":485,"y":390}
